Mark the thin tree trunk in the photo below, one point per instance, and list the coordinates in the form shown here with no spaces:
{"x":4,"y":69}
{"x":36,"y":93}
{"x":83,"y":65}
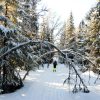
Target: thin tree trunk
{"x":25,"y":75}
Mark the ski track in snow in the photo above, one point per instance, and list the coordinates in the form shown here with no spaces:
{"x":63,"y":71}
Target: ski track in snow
{"x":47,"y":85}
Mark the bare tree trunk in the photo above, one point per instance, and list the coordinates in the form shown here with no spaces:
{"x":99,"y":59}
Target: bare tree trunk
{"x":25,"y":75}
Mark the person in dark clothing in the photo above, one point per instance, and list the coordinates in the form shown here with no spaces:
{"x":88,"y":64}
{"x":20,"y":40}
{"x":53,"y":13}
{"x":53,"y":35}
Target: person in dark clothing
{"x":54,"y":66}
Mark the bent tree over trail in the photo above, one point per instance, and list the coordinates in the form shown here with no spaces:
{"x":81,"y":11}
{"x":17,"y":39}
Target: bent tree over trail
{"x":69,"y":62}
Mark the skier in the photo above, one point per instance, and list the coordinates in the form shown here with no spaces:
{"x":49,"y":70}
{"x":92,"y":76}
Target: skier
{"x":54,"y":66}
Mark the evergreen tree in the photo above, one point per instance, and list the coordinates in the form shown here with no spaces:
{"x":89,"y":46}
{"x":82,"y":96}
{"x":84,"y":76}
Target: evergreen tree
{"x":28,"y":18}
{"x":46,"y":32}
{"x":80,"y":37}
{"x":10,"y":38}
{"x":9,"y":10}
{"x":70,"y":35}
{"x":93,"y":35}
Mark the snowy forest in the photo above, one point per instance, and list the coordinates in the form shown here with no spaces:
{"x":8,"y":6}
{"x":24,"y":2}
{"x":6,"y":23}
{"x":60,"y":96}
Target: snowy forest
{"x":31,"y":39}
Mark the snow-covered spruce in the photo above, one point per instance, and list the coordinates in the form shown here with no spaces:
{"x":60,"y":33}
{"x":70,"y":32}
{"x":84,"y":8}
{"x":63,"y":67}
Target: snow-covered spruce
{"x":10,"y":79}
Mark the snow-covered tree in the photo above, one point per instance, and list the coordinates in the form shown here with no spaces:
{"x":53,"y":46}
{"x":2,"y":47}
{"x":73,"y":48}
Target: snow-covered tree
{"x":11,"y":38}
{"x":70,"y":35}
{"x":9,"y":10}
{"x":9,"y":77}
{"x":93,"y":35}
{"x":80,"y":37}
{"x":46,"y":33}
{"x":27,"y":18}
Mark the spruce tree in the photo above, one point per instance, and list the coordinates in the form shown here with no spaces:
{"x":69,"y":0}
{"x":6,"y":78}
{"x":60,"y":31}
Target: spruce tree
{"x":93,"y":35}
{"x":70,"y":35}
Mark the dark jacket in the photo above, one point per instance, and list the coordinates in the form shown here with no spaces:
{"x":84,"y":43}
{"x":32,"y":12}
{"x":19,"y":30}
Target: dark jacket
{"x":55,"y":64}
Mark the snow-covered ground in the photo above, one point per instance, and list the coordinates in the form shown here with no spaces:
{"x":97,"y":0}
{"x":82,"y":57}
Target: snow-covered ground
{"x":47,"y":85}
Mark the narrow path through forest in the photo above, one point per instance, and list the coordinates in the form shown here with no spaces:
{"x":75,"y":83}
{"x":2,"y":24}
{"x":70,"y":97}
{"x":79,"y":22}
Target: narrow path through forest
{"x":44,"y":84}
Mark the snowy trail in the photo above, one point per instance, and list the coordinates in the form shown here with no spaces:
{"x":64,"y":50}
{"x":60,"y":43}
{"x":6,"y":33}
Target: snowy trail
{"x":47,"y":85}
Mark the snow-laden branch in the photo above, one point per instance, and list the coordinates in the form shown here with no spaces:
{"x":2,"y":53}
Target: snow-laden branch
{"x":26,"y":43}
{"x":45,"y":42}
{"x":14,"y":48}
{"x":84,"y":57}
